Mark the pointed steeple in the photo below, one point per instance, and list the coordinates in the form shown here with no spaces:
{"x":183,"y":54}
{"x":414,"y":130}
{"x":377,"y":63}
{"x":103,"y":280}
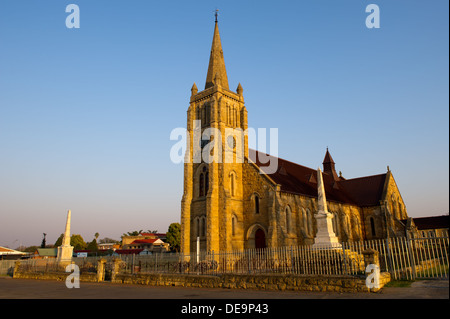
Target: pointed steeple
{"x":328,"y":166}
{"x":194,"y":89}
{"x":216,"y":68}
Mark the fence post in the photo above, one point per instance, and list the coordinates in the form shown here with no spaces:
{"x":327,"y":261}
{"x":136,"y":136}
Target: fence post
{"x":101,"y":270}
{"x":391,"y":269}
{"x":411,"y":256}
{"x":345,"y":259}
{"x":16,"y":269}
{"x":115,"y":269}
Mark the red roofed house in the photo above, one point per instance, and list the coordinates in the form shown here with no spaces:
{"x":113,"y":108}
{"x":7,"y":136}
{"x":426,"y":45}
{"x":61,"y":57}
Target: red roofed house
{"x":151,"y":245}
{"x":152,"y":242}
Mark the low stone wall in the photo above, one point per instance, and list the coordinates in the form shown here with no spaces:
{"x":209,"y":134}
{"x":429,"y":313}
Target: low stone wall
{"x":59,"y":276}
{"x":231,"y":281}
{"x":262,"y":282}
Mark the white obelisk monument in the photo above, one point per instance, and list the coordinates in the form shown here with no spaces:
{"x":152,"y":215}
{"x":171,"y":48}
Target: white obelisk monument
{"x":325,"y":236}
{"x":65,"y":251}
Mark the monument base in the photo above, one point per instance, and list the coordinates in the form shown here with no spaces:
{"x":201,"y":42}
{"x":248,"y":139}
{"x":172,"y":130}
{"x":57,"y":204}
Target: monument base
{"x":65,"y":254}
{"x":325,"y":237}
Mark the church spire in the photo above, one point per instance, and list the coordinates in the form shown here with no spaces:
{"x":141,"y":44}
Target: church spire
{"x":216,"y":68}
{"x":328,"y":165}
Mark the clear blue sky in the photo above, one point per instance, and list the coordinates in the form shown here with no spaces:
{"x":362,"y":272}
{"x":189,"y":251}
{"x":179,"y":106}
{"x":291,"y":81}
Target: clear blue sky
{"x":86,"y":114}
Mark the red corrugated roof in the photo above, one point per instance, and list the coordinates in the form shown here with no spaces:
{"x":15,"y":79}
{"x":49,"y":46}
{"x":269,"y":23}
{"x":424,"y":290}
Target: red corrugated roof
{"x":298,"y":179}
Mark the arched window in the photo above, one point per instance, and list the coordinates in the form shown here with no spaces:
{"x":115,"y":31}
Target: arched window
{"x":256,"y":204}
{"x":202,"y":185}
{"x":233,"y":184}
{"x":233,"y":225}
{"x":203,"y":182}
{"x":310,"y":222}
{"x":287,"y":212}
{"x":372,"y":226}
{"x":203,"y":229}
{"x":305,"y":221}
{"x":197,"y":227}
{"x":335,"y":224}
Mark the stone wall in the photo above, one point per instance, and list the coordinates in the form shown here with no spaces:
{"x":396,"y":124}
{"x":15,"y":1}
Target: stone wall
{"x":281,"y":282}
{"x":260,"y":282}
{"x":58,"y":276}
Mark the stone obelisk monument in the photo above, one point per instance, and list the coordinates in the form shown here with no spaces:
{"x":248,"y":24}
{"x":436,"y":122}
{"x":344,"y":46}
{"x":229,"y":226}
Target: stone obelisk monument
{"x":325,"y":236}
{"x":65,"y":251}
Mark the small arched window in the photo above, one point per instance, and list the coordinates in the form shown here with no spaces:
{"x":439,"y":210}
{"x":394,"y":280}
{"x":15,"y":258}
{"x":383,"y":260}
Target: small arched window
{"x":233,"y":226}
{"x":372,"y":226}
{"x":203,"y":182}
{"x":256,"y":204}
{"x":233,"y":184}
{"x":197,"y":227}
{"x":288,"y":218}
{"x":202,"y":185}
{"x":203,"y":229}
{"x":335,"y":224}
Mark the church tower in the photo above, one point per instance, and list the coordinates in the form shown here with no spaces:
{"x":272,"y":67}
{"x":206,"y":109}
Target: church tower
{"x":212,"y":200}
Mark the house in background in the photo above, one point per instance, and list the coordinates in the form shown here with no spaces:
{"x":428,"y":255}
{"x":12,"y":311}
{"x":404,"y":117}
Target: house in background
{"x":154,"y":245}
{"x":45,"y":253}
{"x":11,"y":254}
{"x":108,"y":246}
{"x":433,"y":226}
{"x":151,"y":242}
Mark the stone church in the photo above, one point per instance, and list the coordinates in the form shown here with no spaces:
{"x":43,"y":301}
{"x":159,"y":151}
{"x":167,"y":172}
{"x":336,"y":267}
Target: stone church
{"x":235,"y":206}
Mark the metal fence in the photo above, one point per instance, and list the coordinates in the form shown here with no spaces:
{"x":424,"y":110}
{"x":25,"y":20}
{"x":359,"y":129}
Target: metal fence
{"x":405,"y":259}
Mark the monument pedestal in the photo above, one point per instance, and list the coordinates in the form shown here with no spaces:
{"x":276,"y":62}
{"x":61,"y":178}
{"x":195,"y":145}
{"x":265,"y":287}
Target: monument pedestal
{"x":325,"y":237}
{"x":65,"y":254}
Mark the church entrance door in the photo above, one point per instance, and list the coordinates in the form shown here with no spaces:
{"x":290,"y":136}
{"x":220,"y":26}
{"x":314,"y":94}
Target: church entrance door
{"x":260,"y":239}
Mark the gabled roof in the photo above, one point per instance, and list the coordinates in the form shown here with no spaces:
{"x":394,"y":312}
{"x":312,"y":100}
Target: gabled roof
{"x":298,"y":179}
{"x":432,"y":222}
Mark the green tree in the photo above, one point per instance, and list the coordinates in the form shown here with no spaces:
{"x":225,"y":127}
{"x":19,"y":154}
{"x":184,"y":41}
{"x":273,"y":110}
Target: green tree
{"x":58,"y":242}
{"x":75,"y":240}
{"x":174,"y":236}
{"x":92,"y":246}
{"x":43,"y":241}
{"x":133,"y":233}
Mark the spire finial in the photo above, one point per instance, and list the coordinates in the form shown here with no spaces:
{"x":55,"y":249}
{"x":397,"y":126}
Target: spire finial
{"x":216,"y":14}
{"x":216,"y":62}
